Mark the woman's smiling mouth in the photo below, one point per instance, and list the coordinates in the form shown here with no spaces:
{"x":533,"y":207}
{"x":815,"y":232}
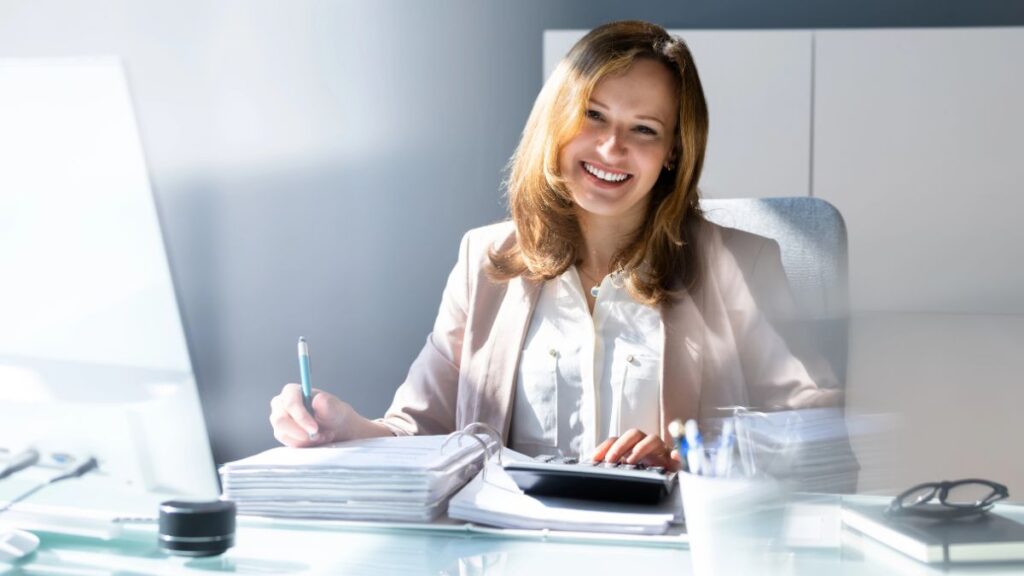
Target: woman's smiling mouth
{"x":605,"y":176}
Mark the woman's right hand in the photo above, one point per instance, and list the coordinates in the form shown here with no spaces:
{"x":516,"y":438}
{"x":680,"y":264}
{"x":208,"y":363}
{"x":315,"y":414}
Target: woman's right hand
{"x":295,"y":427}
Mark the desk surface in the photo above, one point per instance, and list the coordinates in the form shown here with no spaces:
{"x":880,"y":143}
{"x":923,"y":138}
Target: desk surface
{"x":316,"y":548}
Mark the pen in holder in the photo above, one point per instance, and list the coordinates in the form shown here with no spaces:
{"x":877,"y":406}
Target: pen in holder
{"x":732,"y":519}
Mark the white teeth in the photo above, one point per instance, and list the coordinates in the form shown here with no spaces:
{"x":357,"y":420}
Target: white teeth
{"x":607,"y":177}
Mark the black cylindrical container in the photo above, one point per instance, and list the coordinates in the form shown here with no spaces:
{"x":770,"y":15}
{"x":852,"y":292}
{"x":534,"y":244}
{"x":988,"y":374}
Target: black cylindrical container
{"x":197,"y":528}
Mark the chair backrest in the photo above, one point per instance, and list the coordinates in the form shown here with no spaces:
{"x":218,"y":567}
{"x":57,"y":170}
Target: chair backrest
{"x":811,"y":235}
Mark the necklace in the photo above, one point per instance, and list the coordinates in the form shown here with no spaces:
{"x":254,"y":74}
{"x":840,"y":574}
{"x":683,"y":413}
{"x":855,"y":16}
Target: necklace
{"x":596,"y":288}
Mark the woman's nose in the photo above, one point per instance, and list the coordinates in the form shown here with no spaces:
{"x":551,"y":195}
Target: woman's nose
{"x":611,"y":144}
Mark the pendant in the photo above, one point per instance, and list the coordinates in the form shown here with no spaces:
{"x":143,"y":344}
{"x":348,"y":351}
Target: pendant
{"x":593,"y":291}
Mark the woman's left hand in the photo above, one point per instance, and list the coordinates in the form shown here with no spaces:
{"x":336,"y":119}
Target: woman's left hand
{"x":635,"y":447}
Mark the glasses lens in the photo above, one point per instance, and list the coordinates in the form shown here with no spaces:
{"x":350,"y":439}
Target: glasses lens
{"x":969,"y":494}
{"x":919,"y":496}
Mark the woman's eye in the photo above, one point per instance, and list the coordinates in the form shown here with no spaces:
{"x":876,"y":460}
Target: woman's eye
{"x":593,"y":115}
{"x":646,"y":130}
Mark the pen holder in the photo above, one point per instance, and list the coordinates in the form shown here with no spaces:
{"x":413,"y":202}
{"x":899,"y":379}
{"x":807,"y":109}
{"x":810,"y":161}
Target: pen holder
{"x":733,"y":523}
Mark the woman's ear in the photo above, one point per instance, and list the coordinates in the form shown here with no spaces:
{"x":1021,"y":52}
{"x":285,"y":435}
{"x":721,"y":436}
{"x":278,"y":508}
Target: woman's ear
{"x":670,"y":162}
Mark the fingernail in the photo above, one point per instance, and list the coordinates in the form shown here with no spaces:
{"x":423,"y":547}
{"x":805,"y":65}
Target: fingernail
{"x":314,"y":436}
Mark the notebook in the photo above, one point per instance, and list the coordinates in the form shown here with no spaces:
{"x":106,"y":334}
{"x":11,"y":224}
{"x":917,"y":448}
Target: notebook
{"x":986,"y":538}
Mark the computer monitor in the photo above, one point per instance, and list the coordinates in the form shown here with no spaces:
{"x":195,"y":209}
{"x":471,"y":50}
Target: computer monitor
{"x":93,"y":358}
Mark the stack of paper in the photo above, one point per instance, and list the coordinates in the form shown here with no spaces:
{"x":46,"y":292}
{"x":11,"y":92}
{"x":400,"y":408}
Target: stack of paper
{"x":493,"y":498}
{"x":400,"y":479}
{"x":810,"y":447}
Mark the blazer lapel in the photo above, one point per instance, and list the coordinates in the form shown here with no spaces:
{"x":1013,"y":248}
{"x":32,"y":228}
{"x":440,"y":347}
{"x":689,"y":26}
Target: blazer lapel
{"x":509,"y":330}
{"x":682,"y":361}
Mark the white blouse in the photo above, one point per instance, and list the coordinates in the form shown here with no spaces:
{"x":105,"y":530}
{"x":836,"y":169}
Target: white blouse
{"x":583,"y":378}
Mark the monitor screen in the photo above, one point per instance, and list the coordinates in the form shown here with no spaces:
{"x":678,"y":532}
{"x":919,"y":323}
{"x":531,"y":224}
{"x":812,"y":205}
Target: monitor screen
{"x":93,"y":357}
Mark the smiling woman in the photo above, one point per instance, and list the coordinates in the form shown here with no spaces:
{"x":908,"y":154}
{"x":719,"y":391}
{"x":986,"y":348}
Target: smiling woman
{"x":614,"y":149}
{"x":602,"y":188}
{"x":612,"y":163}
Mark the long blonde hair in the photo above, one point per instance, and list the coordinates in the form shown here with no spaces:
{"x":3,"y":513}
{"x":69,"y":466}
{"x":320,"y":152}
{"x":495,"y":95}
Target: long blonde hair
{"x":548,"y":235}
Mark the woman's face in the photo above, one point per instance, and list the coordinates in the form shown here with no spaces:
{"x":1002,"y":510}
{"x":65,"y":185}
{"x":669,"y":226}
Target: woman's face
{"x":627,"y":136}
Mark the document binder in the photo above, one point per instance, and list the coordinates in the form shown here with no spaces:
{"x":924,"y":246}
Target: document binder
{"x":406,"y":478}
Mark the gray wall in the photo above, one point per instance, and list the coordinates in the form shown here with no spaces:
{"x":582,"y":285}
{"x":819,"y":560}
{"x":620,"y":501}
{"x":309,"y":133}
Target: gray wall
{"x":315,"y":163}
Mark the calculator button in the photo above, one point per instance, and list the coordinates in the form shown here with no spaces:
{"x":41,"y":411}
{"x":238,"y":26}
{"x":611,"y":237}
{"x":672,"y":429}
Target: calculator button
{"x":628,"y":467}
{"x":544,"y":458}
{"x":658,"y":469}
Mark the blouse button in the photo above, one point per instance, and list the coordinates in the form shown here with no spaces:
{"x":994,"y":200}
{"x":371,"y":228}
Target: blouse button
{"x":553,"y":352}
{"x":630,"y":358}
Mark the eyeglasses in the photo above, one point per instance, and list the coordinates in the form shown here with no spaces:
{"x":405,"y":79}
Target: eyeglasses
{"x":956,"y":499}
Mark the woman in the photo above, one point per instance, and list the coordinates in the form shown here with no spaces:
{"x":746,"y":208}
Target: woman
{"x":607,"y":306}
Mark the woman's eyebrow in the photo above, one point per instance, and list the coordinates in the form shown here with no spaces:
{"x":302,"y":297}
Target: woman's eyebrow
{"x":641,"y":116}
{"x":651,"y":118}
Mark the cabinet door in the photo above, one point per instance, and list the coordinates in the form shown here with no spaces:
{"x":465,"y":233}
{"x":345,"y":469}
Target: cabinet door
{"x":919,"y":140}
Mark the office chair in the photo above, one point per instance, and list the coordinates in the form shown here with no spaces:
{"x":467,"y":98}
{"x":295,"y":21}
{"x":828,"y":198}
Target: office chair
{"x":812,"y":238}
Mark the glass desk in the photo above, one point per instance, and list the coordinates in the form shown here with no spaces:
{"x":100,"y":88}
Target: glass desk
{"x":295,"y":547}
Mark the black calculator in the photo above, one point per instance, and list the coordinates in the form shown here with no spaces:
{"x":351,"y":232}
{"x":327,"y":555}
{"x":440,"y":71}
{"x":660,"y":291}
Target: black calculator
{"x":588,"y":480}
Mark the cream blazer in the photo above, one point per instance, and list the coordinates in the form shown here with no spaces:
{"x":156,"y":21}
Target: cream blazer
{"x":719,"y":348}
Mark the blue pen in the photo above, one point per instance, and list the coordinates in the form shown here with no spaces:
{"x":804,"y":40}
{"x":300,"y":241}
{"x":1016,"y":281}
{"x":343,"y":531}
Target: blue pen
{"x":307,"y":386}
{"x":695,"y":452}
